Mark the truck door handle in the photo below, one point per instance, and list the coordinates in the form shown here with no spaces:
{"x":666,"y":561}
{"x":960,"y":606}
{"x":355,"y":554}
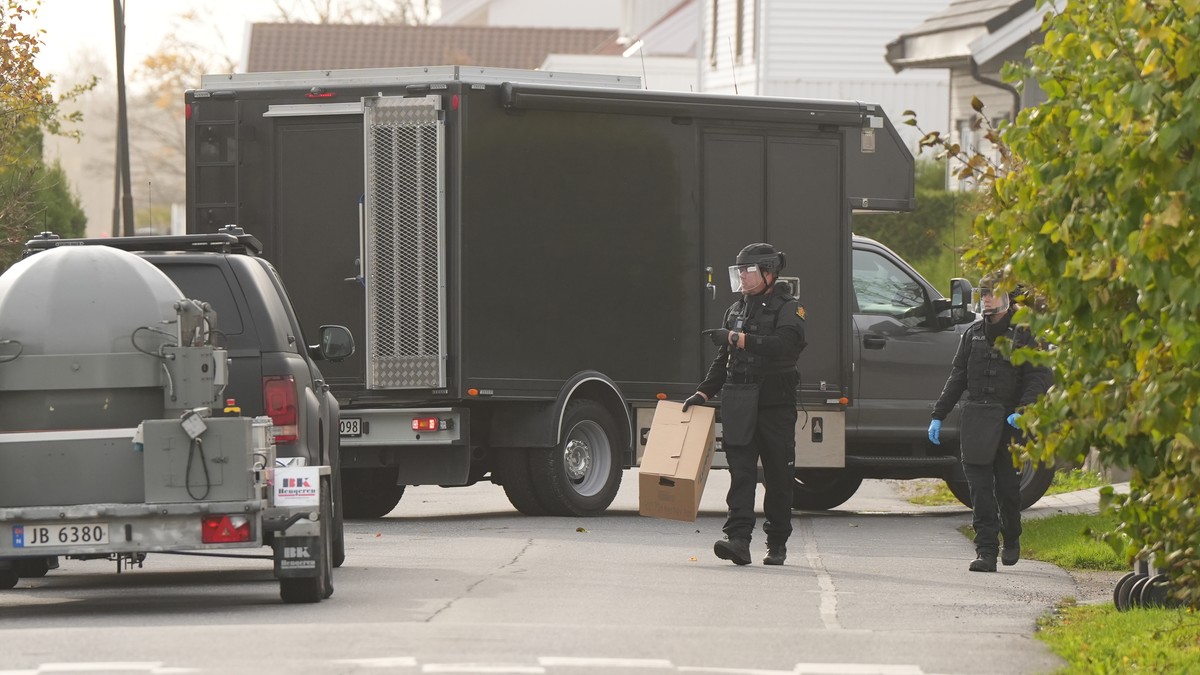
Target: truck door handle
{"x":874,"y":341}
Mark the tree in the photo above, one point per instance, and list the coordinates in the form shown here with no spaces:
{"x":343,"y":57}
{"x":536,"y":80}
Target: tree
{"x":32,"y":195}
{"x":1097,"y":209}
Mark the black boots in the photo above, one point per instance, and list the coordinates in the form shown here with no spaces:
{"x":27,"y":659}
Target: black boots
{"x":776,"y":554}
{"x":1011,"y":553}
{"x":737,"y":550}
{"x":984,"y":561}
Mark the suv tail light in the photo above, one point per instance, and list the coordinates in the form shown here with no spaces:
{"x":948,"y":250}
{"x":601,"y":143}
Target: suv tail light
{"x":279,"y":400}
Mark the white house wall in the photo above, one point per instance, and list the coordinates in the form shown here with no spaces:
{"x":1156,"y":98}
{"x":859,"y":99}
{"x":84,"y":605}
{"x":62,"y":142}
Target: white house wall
{"x":929,"y":100}
{"x":663,"y":73}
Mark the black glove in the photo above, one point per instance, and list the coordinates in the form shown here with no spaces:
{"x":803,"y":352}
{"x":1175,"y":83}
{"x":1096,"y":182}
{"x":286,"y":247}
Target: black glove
{"x":719,"y":336}
{"x":694,"y":399}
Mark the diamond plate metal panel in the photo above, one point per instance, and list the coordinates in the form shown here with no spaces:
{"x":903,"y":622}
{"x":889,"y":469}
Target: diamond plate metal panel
{"x":404,"y":244}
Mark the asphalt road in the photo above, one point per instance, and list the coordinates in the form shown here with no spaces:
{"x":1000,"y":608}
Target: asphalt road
{"x":455,"y":581}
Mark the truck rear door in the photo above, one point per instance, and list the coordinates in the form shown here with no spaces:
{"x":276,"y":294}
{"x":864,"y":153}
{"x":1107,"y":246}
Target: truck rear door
{"x":318,"y":168}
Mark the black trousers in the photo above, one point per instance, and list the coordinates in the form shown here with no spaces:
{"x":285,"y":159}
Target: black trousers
{"x":995,"y":499}
{"x":774,"y":444}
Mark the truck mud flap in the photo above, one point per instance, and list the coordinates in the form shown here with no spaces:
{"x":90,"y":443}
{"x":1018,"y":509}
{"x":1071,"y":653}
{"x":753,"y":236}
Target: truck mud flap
{"x":297,"y":557}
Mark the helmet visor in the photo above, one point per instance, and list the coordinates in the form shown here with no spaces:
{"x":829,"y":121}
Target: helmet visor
{"x":745,"y":278}
{"x":990,"y":301}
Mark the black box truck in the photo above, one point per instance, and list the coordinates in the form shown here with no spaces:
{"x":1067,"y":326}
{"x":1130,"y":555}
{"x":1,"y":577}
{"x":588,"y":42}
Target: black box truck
{"x":528,"y":259}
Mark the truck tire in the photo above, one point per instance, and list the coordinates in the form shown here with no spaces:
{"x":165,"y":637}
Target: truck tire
{"x":823,"y":489}
{"x":8,"y":579}
{"x":581,"y":476}
{"x":370,"y":493}
{"x":1034,"y":483}
{"x":513,"y":474}
{"x":314,"y":589}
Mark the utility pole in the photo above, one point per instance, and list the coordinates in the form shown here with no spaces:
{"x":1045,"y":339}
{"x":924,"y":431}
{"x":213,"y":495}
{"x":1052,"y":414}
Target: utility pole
{"x":126,"y":207}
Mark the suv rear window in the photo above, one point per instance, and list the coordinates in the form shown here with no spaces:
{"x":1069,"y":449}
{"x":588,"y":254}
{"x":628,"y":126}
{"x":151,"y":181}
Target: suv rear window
{"x":208,"y":283}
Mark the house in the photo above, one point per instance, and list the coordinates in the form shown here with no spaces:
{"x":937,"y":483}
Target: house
{"x":306,"y":46}
{"x":820,"y":50}
{"x":974,"y":39}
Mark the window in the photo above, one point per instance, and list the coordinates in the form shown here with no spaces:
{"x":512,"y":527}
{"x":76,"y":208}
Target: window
{"x":739,"y":31}
{"x":712,"y":51}
{"x":883,"y":288}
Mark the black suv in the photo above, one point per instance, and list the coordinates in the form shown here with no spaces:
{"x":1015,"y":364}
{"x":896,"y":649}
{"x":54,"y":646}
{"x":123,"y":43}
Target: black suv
{"x":271,"y":372}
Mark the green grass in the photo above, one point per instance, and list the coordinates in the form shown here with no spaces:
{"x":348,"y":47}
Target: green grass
{"x":1099,"y":639}
{"x":1075,"y":479}
{"x":1061,"y":540}
{"x":934,"y":495}
{"x":1064,"y":481}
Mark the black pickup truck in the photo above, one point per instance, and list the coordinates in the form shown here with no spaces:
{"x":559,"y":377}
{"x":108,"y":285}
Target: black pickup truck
{"x":273,"y":372}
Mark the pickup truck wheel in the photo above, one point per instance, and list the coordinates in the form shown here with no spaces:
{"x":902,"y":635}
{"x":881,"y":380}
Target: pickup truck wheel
{"x":513,"y":474}
{"x":581,"y":476}
{"x":823,"y":489}
{"x":314,"y":589}
{"x":1034,"y":483}
{"x":370,"y":493}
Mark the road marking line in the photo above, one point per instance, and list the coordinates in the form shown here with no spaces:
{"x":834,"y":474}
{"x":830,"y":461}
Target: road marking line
{"x":828,"y":607}
{"x":732,"y":670}
{"x":98,"y":666}
{"x":482,"y":668}
{"x":857,"y":669}
{"x":603,"y":663}
{"x":382,"y":662}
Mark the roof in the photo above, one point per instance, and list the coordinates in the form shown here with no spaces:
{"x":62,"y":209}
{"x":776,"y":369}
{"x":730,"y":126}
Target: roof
{"x":943,"y":39}
{"x":303,"y":46}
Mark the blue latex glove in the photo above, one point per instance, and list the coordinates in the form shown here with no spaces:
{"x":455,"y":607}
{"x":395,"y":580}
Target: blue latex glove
{"x":935,"y":432}
{"x":1012,"y":420}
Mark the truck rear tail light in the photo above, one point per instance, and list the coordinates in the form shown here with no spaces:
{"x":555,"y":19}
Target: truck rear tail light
{"x":279,"y":401}
{"x":431,"y":424}
{"x":224,"y":529}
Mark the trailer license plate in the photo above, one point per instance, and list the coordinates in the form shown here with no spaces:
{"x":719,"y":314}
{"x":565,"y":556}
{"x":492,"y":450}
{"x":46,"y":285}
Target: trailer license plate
{"x":350,"y":426}
{"x":59,"y":534}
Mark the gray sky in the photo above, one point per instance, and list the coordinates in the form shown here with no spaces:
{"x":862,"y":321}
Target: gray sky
{"x":74,"y":27}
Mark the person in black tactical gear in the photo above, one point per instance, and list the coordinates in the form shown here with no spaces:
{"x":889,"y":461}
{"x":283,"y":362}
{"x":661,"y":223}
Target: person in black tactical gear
{"x":996,"y":390}
{"x":755,"y":372}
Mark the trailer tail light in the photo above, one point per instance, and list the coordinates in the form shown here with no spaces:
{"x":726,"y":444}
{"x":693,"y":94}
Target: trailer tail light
{"x":279,"y":401}
{"x":187,"y":111}
{"x":225,"y":529}
{"x":431,"y":424}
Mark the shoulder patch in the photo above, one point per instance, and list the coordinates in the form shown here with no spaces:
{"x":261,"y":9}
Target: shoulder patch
{"x":800,"y":311}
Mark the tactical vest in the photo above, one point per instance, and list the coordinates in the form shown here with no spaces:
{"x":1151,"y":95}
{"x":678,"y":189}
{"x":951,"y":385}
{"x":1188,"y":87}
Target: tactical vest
{"x":992,"y":378}
{"x":756,"y":318}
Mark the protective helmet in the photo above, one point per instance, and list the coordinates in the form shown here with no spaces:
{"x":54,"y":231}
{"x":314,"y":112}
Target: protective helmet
{"x":763,"y":255}
{"x":990,"y":298}
{"x":754,"y":262}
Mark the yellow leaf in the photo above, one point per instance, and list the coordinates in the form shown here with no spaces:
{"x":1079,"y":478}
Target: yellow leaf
{"x":1152,"y":62}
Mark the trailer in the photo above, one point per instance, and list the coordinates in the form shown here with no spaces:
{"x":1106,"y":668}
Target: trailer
{"x":113,"y":442}
{"x":530,"y":257}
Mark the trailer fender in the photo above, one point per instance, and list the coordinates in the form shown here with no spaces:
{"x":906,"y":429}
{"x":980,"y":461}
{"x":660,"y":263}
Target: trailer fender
{"x":598,"y":387}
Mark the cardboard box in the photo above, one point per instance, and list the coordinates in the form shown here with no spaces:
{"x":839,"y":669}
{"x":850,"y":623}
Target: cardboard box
{"x":679,"y":453}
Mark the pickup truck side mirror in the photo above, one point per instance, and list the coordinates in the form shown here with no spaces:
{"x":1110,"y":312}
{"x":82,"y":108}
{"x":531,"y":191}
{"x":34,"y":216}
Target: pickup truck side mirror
{"x":337,"y":343}
{"x":960,"y":300}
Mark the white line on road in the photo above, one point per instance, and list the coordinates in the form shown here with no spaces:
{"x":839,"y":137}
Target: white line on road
{"x":381,"y":662}
{"x":585,"y":662}
{"x":828,"y":607}
{"x":732,"y":671}
{"x":502,"y":668}
{"x":856,"y":669}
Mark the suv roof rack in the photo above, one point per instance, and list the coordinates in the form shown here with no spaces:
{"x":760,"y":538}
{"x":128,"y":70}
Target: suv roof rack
{"x":229,"y":239}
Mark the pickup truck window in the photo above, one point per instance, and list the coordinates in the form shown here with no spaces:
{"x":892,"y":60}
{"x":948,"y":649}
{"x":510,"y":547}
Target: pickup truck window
{"x":881,"y":287}
{"x":208,"y":283}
